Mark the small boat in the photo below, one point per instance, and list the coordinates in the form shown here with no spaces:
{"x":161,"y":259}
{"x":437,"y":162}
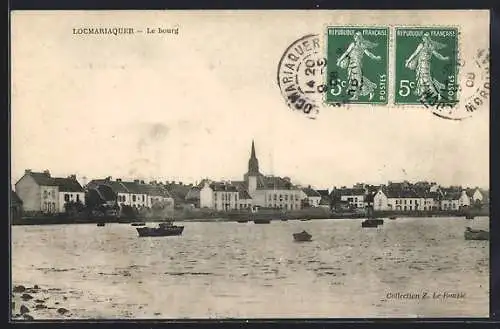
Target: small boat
{"x":302,"y":236}
{"x":392,"y":217}
{"x":284,"y":219}
{"x":262,"y":221}
{"x":242,"y":220}
{"x":163,"y":229}
{"x":138,"y":224}
{"x":305,"y":219}
{"x":469,"y":216}
{"x":101,"y":224}
{"x":371,"y":222}
{"x":471,"y":234}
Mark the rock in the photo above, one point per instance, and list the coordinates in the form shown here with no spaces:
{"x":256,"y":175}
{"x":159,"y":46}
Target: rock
{"x":28,"y":317}
{"x":24,"y":309}
{"x":39,"y":301}
{"x":19,"y":289}
{"x":64,"y":297}
{"x":36,"y":287}
{"x":62,"y":310}
{"x":26,"y":297}
{"x":57,"y":303}
{"x":40,"y":306}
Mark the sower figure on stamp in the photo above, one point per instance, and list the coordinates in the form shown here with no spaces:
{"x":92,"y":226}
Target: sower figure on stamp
{"x":352,"y":60}
{"x":420,"y":61}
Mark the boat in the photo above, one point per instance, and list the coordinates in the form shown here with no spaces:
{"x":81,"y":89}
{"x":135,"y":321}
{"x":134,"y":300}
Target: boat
{"x":469,"y":216}
{"x":138,"y":224}
{"x":284,"y":219}
{"x":163,"y":229}
{"x":242,"y":220}
{"x":471,"y":234}
{"x":370,"y":222}
{"x":302,"y":236}
{"x":305,"y":219}
{"x":262,"y":221}
{"x":392,"y":217}
{"x":101,"y":224}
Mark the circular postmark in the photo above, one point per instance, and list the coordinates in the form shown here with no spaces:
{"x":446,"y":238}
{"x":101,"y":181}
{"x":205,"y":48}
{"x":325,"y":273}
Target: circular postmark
{"x":301,"y":75}
{"x":473,"y":89}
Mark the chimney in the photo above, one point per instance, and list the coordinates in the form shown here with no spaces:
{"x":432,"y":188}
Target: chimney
{"x":27,"y":171}
{"x":180,"y":183}
{"x":46,"y":172}
{"x":118,"y":179}
{"x":73,"y":177}
{"x":142,"y":182}
{"x":136,"y":181}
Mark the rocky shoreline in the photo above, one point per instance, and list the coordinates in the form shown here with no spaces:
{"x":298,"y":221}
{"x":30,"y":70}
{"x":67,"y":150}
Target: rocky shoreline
{"x":28,"y":304}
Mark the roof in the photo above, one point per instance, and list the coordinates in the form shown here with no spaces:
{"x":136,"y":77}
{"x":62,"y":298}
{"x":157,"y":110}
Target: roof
{"x":14,"y":198}
{"x":401,"y":193}
{"x":106,"y":192}
{"x":311,"y":192}
{"x":223,"y":187}
{"x":42,"y":179}
{"x":349,"y":191}
{"x":134,"y":188}
{"x":68,"y":185}
{"x":323,"y":192}
{"x":454,"y":195}
{"x":273,"y":183}
{"x":178,"y":191}
{"x":115,"y":185}
{"x":154,"y":190}
{"x":244,"y":195}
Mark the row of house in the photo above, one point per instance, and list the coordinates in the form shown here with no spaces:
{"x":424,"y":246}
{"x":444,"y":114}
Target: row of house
{"x":39,"y":191}
{"x":421,"y":196}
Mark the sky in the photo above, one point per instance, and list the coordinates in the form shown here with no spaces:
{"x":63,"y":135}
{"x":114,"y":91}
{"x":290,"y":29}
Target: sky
{"x":186,"y":107}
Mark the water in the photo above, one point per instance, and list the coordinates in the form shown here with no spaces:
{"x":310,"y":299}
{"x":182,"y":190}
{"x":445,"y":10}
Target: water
{"x":220,"y":270}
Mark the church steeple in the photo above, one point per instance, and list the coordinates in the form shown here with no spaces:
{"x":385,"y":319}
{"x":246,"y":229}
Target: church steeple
{"x":253,"y":163}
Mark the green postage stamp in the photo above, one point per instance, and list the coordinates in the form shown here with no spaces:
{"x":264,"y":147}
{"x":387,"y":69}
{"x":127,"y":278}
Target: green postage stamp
{"x":357,"y":65}
{"x":426,"y":65}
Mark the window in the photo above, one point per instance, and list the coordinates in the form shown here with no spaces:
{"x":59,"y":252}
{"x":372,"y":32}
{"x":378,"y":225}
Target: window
{"x":45,"y":194}
{"x":66,"y":197}
{"x":286,"y":197}
{"x":77,"y":197}
{"x":143,"y":199}
{"x":133,"y":198}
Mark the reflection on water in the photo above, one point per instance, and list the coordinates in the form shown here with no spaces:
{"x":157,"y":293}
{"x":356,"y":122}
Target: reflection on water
{"x":247,"y":270}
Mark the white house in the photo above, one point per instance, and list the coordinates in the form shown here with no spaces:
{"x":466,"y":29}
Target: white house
{"x":403,"y":200}
{"x":40,"y":192}
{"x":221,"y":196}
{"x":313,"y":197}
{"x":464,"y":200}
{"x":354,"y":196}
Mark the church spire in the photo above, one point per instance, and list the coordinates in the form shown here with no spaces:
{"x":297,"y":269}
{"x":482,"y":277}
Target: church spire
{"x":253,"y":163}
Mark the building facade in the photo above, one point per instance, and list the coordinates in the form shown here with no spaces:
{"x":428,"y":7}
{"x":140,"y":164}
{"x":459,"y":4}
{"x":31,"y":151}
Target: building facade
{"x":40,"y":192}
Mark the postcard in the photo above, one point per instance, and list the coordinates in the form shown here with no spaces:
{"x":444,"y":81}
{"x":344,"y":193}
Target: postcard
{"x":249,"y":164}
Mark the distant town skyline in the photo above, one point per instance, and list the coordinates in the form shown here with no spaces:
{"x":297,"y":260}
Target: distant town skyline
{"x":178,"y":108}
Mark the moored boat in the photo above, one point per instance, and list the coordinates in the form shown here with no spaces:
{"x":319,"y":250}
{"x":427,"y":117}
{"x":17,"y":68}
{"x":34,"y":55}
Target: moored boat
{"x":471,"y":234}
{"x":469,"y":216}
{"x":370,"y":222}
{"x":101,"y":224}
{"x":302,"y":236}
{"x":163,"y":229}
{"x":262,"y":221}
{"x":138,"y":224}
{"x":242,"y":220}
{"x":392,"y":217}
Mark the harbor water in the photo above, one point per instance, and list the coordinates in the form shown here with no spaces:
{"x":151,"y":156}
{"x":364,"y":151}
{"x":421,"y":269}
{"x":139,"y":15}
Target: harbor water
{"x":408,"y":267}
